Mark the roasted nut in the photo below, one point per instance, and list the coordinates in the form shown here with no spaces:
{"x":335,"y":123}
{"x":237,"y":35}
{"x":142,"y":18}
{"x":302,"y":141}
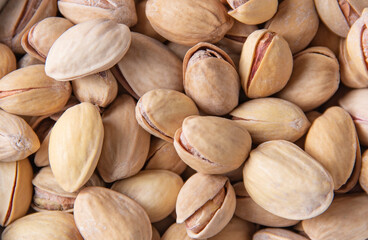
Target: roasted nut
{"x":265,"y":64}
{"x":363,"y":179}
{"x":325,"y":38}
{"x":178,"y":49}
{"x":177,"y":232}
{"x":236,"y":229}
{"x":207,"y":213}
{"x":8,"y":62}
{"x":277,"y":234}
{"x":41,"y":158}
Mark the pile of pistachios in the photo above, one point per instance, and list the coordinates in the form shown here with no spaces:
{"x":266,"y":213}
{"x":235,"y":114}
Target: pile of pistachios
{"x":183,"y":119}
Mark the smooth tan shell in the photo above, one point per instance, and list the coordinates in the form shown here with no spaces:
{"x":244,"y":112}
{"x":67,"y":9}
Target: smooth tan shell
{"x":363,"y":179}
{"x":75,"y":146}
{"x":314,"y":80}
{"x":177,"y":232}
{"x":224,"y":143}
{"x":102,"y":42}
{"x":41,"y":158}
{"x":286,"y":181}
{"x":166,"y":109}
{"x":346,"y":218}
{"x":236,"y":229}
{"x":326,"y":38}
{"x":102,"y":213}
{"x":189,"y":22}
{"x":43,"y":225}
{"x":273,"y":72}
{"x":126,"y":144}
{"x":271,"y":119}
{"x":8,"y":62}
{"x":155,"y":190}
{"x":277,"y":234}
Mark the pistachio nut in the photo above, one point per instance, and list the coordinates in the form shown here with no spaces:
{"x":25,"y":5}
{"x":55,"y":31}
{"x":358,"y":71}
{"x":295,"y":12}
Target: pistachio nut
{"x":252,"y":11}
{"x":346,"y":218}
{"x":314,"y":80}
{"x":8,"y":63}
{"x":311,"y":116}
{"x":29,"y":91}
{"x":72,"y":101}
{"x":43,"y":225}
{"x":189,"y":22}
{"x":41,"y":158}
{"x":325,"y":38}
{"x":212,"y":145}
{"x":277,"y":234}
{"x":332,"y":141}
{"x":210,"y":79}
{"x":102,"y":42}
{"x":18,"y":16}
{"x":206,"y":203}
{"x":340,"y":15}
{"x":15,"y":190}
{"x":178,"y":49}
{"x":155,"y":190}
{"x":236,"y":229}
{"x":286,"y":181}
{"x":162,"y":155}
{"x":250,"y":211}
{"x":120,"y":11}
{"x":17,"y":139}
{"x":99,"y":89}
{"x":126,"y":145}
{"x":265,"y":64}
{"x":271,"y":119}
{"x":101,"y":213}
{"x":296,"y":21}
{"x":38,"y":40}
{"x":177,"y":232}
{"x":162,"y":111}
{"x":75,"y":146}
{"x":142,"y":68}
{"x":363,"y":179}
{"x":28,"y":60}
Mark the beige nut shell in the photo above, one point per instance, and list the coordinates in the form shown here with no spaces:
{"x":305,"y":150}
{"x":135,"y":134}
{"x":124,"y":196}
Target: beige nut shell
{"x":236,"y":229}
{"x":177,"y":232}
{"x":8,"y":62}
{"x":277,"y":234}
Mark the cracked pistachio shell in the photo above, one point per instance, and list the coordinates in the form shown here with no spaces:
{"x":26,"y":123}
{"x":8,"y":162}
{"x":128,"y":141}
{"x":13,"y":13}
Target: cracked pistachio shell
{"x":155,"y":190}
{"x":17,"y":138}
{"x":210,"y":79}
{"x":149,"y":65}
{"x":28,"y":60}
{"x":162,"y":155}
{"x":125,"y":145}
{"x":99,"y":89}
{"x":38,"y":40}
{"x":75,"y":146}
{"x":212,"y":145}
{"x":43,"y":225}
{"x":189,"y":22}
{"x":271,"y":119}
{"x":284,"y":180}
{"x":15,"y":190}
{"x":340,"y":15}
{"x":363,"y":178}
{"x":177,"y":232}
{"x":120,"y":11}
{"x":346,"y":218}
{"x":236,"y":229}
{"x":297,"y":21}
{"x":93,"y":46}
{"x":20,"y":15}
{"x":162,"y":111}
{"x":252,"y":11}
{"x":204,"y":214}
{"x":265,"y":64}
{"x":101,"y":213}
{"x":277,"y":234}
{"x":332,"y":141}
{"x":8,"y":62}
{"x":29,"y":91}
{"x":250,"y":211}
{"x":314,"y":80}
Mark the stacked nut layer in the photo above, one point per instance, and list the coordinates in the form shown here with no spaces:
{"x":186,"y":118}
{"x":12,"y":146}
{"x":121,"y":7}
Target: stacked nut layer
{"x":184,"y":119}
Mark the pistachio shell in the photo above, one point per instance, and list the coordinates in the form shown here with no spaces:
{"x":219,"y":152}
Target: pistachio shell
{"x":271,"y":119}
{"x":43,"y":225}
{"x":155,"y":234}
{"x":101,"y":213}
{"x":178,"y":49}
{"x":126,"y":145}
{"x":41,"y":158}
{"x":162,"y":111}
{"x":8,"y":62}
{"x":28,"y":60}
{"x":286,"y":181}
{"x":363,"y":179}
{"x":29,"y":91}
{"x":102,"y":42}
{"x":176,"y":232}
{"x":325,"y":38}
{"x":212,"y":145}
{"x":75,"y":146}
{"x":15,"y":190}
{"x":17,"y":139}
{"x":236,"y":229}
{"x":277,"y":234}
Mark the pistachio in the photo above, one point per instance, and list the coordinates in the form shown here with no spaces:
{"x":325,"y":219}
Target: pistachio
{"x":178,"y":49}
{"x":363,"y":179}
{"x":28,"y":60}
{"x":164,"y":224}
{"x":155,"y":234}
{"x":277,"y":234}
{"x":236,"y":229}
{"x":41,"y":158}
{"x":8,"y":62}
{"x":177,"y":232}
{"x":326,"y":38}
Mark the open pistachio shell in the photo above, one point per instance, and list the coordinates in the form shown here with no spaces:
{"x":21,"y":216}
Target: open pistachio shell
{"x":236,"y":229}
{"x":177,"y":232}
{"x":265,"y":64}
{"x":363,"y":179}
{"x":277,"y":234}
{"x":101,"y":213}
{"x":8,"y":61}
{"x":162,"y":111}
{"x":286,"y":181}
{"x":212,"y":145}
{"x":102,"y":42}
{"x":206,"y":214}
{"x":15,"y":190}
